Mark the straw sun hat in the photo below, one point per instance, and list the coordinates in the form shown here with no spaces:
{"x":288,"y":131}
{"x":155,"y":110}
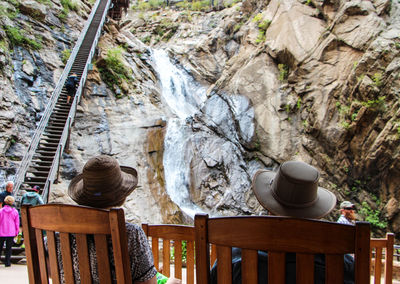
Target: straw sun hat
{"x":293,"y":191}
{"x":103,"y":183}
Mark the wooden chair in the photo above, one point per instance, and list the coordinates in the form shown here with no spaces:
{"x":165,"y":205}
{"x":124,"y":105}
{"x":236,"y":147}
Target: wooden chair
{"x":172,"y":235}
{"x":279,"y":235}
{"x":58,"y":222}
{"x":377,"y":246}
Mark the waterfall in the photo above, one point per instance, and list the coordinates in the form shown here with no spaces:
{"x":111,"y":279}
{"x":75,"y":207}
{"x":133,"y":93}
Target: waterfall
{"x":184,"y":97}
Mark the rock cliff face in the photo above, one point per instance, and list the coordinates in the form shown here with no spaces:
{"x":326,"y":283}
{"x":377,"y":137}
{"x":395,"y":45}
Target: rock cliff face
{"x":307,"y":80}
{"x":322,"y":79}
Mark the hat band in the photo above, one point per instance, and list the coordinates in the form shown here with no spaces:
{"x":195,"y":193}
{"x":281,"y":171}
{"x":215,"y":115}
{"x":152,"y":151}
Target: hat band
{"x":289,"y":204}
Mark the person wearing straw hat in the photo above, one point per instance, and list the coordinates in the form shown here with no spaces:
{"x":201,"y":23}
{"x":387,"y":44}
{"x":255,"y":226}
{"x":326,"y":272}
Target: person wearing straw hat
{"x":292,"y":191}
{"x":103,"y":183}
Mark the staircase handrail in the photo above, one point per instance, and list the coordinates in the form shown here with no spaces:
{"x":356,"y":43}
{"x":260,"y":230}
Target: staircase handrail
{"x":60,"y":149}
{"x":20,"y":175}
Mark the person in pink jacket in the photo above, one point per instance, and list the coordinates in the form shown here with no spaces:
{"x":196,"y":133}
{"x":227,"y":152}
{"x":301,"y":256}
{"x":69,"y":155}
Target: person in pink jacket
{"x":9,"y":227}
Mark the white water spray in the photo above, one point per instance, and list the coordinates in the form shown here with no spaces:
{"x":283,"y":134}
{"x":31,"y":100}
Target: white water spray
{"x":184,"y":97}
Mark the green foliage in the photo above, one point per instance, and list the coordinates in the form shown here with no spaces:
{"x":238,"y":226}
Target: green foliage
{"x":146,"y":39}
{"x":261,"y":36}
{"x":283,"y":72}
{"x":5,"y":13}
{"x":298,"y":104}
{"x":18,"y":37}
{"x":66,"y":53}
{"x":45,"y":2}
{"x":372,"y":216}
{"x":345,"y":124}
{"x":237,"y":27}
{"x":142,"y":6}
{"x":184,"y":252}
{"x":70,"y":5}
{"x":379,"y":104}
{"x":377,"y":78}
{"x":155,"y":4}
{"x":264,"y":25}
{"x":114,"y":72}
{"x":166,"y":29}
{"x":67,"y":5}
{"x":257,"y":18}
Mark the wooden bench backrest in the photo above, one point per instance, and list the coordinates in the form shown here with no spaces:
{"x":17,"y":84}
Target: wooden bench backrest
{"x":58,"y":222}
{"x":277,"y":236}
{"x":377,"y":246}
{"x":172,"y":235}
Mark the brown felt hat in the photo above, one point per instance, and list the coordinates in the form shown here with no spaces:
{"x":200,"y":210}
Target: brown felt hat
{"x":293,"y":191}
{"x":103,"y":183}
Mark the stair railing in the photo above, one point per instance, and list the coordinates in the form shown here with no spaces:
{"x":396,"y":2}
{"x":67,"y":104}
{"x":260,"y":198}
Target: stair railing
{"x":71,"y":116}
{"x":26,"y":161}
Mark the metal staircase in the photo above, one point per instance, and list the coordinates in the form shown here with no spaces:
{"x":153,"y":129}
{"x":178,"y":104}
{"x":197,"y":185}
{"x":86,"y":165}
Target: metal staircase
{"x":42,"y":159}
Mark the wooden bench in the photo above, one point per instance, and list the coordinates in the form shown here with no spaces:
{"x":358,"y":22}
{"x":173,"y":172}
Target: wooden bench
{"x":175,"y":236}
{"x":279,"y":235}
{"x":171,"y":235}
{"x":377,"y":246}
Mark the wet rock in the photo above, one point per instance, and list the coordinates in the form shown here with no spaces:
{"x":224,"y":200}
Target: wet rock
{"x":28,"y":68}
{"x":33,"y":8}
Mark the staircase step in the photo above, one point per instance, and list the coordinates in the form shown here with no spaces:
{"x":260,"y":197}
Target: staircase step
{"x":35,"y":179}
{"x":40,"y":168}
{"x":39,"y":173}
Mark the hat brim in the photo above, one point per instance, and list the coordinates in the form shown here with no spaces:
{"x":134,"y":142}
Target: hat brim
{"x":81,"y":196}
{"x":262,"y":188}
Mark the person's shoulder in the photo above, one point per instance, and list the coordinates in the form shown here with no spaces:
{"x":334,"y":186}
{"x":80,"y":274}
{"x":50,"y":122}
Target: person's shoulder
{"x":133,"y":227}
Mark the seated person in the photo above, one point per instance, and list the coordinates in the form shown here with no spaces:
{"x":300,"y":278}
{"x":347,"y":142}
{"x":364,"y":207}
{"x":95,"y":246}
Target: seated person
{"x":278,"y":194}
{"x":105,"y":184}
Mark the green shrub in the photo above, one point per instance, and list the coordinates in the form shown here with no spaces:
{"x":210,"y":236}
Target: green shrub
{"x":372,"y":216}
{"x":5,"y":13}
{"x":67,"y":5}
{"x":237,"y":27}
{"x":70,"y":5}
{"x":114,"y":72}
{"x":166,"y":29}
{"x":155,"y":4}
{"x":143,"y":6}
{"x":377,"y":78}
{"x":66,"y":53}
{"x":18,"y":37}
{"x":298,"y":104}
{"x":257,"y":18}
{"x":261,"y":36}
{"x":146,"y":39}
{"x":379,"y":104}
{"x":264,"y":25}
{"x":345,"y":124}
{"x":184,"y":252}
{"x":283,"y":72}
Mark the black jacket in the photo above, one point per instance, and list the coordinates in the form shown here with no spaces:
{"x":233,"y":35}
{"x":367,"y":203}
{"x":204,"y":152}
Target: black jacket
{"x":319,"y":268}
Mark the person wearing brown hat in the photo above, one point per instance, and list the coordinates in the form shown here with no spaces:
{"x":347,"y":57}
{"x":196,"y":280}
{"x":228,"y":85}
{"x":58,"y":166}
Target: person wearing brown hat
{"x":103,"y":183}
{"x":292,"y":191}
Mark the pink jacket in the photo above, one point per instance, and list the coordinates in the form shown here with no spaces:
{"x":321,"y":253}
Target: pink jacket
{"x":9,"y":222}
